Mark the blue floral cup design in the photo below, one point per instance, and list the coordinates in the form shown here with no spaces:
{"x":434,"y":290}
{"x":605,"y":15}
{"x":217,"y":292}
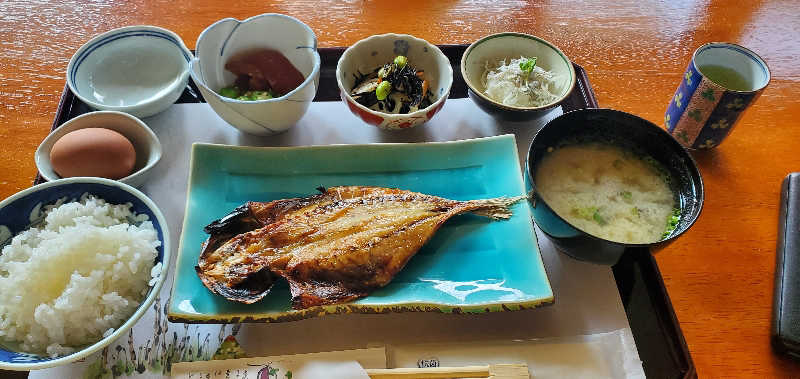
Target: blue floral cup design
{"x":703,"y":112}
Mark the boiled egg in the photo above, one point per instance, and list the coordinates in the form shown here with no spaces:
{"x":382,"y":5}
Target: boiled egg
{"x":93,"y":152}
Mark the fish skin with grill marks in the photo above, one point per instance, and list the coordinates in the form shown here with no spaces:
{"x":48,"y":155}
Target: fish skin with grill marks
{"x":333,"y":247}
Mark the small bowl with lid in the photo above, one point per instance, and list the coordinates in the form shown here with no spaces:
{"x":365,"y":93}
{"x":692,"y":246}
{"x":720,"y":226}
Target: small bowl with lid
{"x":489,"y":52}
{"x":140,"y":70}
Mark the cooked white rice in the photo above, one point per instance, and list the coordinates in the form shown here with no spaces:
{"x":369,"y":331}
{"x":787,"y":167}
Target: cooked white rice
{"x":77,"y":276}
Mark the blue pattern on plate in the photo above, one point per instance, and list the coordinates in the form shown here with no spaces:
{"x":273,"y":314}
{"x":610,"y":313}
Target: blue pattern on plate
{"x":228,"y":38}
{"x":486,"y":262}
{"x":401,"y":47}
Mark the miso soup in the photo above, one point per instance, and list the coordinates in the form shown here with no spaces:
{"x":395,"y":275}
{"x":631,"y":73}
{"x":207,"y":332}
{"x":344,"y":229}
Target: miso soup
{"x":608,"y":192}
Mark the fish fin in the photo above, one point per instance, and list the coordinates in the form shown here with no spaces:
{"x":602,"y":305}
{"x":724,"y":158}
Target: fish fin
{"x":495,"y":209}
{"x":248,"y":291}
{"x":238,"y":221}
{"x":309,"y":294}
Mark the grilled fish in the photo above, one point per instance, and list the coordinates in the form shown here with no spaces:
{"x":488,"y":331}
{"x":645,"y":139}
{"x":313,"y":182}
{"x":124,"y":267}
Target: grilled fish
{"x":332,"y":247}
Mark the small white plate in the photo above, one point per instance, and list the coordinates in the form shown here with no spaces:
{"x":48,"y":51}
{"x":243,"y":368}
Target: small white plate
{"x":139,"y":70}
{"x":228,"y":37}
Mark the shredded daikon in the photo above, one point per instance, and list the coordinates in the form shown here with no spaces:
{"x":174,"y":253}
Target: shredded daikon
{"x":510,"y":85}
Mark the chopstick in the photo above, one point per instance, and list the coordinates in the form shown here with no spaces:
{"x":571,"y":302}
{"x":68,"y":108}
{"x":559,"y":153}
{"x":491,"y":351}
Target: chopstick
{"x":499,"y":371}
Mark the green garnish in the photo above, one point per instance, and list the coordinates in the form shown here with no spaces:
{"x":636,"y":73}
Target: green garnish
{"x":383,"y":90}
{"x":234,"y":92}
{"x":259,"y":95}
{"x":400,"y":61}
{"x":528,"y":65}
{"x":255,"y":95}
{"x":584,"y":213}
{"x":627,"y":195}
{"x":590,"y":214}
{"x":231,"y":92}
{"x":672,"y":222}
{"x":598,"y":218}
{"x":635,"y":211}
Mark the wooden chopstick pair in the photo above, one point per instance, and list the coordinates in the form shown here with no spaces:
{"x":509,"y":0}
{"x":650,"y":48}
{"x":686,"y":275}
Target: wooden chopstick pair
{"x":499,"y":371}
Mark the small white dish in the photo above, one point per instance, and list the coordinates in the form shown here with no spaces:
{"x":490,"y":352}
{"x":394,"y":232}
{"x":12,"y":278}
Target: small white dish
{"x":495,"y":47}
{"x":227,"y":37}
{"x":375,"y":51}
{"x":145,"y":143}
{"x":140,"y":70}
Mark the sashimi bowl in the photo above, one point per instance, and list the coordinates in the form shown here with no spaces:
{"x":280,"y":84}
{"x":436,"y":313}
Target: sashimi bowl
{"x":229,"y":38}
{"x":82,"y":260}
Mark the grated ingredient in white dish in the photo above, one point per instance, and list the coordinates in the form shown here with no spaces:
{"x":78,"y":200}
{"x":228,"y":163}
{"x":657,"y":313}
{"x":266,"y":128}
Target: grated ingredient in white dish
{"x":77,"y":276}
{"x":509,"y":85}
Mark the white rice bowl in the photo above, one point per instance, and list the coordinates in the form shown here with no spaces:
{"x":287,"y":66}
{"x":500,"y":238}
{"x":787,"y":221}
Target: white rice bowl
{"x":76,"y":276}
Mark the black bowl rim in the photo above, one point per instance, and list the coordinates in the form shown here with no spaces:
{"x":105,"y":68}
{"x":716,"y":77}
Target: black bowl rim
{"x":701,"y":188}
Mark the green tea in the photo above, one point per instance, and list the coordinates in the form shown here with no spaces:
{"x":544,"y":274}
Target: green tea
{"x":726,"y":77}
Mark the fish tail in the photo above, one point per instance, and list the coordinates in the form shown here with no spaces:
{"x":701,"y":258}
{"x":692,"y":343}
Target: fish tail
{"x":495,"y":209}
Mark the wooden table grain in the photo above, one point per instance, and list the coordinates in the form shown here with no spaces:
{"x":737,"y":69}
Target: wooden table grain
{"x":719,"y":275}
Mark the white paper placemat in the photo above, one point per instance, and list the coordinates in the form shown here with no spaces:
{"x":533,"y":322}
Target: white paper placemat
{"x":586,"y":297}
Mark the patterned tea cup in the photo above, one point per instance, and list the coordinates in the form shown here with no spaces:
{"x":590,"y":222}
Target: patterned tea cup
{"x":722,"y":80}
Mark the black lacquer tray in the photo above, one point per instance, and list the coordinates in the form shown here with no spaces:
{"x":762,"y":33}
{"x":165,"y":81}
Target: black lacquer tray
{"x":658,"y":335}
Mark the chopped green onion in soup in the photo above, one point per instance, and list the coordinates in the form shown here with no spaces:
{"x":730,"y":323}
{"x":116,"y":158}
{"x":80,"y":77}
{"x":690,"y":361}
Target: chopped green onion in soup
{"x":608,"y":192}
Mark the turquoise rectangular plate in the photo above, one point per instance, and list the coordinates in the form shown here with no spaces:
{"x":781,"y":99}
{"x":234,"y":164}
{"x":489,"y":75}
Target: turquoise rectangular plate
{"x":471,"y":265}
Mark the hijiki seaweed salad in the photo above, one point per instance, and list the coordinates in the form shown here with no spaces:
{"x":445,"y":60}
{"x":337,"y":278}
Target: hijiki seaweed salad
{"x":395,"y":87}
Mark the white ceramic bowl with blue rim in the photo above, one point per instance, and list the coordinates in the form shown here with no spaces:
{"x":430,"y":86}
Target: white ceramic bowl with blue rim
{"x":140,"y":70}
{"x":227,"y":37}
{"x":144,"y":141}
{"x":15,"y":216}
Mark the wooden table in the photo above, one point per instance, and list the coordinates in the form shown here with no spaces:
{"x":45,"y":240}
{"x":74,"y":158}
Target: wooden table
{"x":719,"y":275}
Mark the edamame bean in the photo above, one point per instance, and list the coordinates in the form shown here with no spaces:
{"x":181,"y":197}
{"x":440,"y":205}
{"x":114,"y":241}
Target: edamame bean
{"x":400,"y":61}
{"x":383,"y":90}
